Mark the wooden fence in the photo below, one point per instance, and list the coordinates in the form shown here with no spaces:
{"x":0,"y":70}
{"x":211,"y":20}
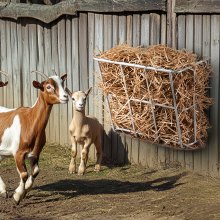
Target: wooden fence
{"x":69,"y":44}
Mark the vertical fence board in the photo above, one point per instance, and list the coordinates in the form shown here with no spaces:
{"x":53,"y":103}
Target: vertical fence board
{"x":214,"y":112}
{"x":189,"y":46}
{"x":122,"y":37}
{"x":91,"y":53}
{"x":129,"y":30}
{"x":206,"y":55}
{"x":54,"y":118}
{"x":47,"y":63}
{"x":99,"y":45}
{"x":197,"y":50}
{"x":33,"y":50}
{"x":69,"y":71}
{"x":145,"y":30}
{"x":15,"y":66}
{"x":162,"y":150}
{"x":75,"y":59}
{"x":181,"y":44}
{"x":107,"y":122}
{"x":26,"y":64}
{"x":9,"y":52}
{"x":62,"y":69}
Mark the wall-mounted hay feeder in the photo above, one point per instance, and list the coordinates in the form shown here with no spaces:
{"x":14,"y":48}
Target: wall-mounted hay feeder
{"x":157,"y":94}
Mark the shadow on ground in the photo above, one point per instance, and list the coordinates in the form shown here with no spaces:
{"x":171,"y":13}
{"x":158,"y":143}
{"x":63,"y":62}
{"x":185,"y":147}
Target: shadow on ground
{"x":72,"y":188}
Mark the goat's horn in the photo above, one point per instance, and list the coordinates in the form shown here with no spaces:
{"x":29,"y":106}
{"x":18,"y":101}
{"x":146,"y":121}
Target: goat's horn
{"x":42,"y":74}
{"x":4,"y":73}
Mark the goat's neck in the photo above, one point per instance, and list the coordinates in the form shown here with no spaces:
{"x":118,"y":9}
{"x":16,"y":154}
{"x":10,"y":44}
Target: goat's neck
{"x":79,"y":117}
{"x":41,"y":112}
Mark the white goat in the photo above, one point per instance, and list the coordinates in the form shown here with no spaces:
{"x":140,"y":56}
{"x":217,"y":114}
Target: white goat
{"x":84,"y":130}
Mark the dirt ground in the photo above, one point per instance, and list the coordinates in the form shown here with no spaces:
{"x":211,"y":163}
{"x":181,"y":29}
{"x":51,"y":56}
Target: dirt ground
{"x":128,"y":192}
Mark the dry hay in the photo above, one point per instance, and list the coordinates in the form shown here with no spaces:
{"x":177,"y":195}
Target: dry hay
{"x":150,"y":121}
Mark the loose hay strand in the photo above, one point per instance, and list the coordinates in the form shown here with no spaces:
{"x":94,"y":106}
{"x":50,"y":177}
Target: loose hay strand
{"x":144,"y":102}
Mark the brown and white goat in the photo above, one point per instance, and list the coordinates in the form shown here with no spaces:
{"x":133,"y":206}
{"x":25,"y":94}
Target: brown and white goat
{"x":22,"y":132}
{"x":84,"y":130}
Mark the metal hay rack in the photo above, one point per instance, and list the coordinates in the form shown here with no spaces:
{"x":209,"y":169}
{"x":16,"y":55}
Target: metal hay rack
{"x":139,"y":109}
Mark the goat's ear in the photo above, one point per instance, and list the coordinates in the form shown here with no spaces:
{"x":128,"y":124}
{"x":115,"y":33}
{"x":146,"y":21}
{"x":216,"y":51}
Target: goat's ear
{"x":68,"y":92}
{"x":38,"y":85}
{"x":3,"y":84}
{"x":88,"y":91}
{"x":64,"y":77}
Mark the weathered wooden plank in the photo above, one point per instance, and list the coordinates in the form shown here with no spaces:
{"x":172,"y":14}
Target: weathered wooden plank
{"x":129,"y":29}
{"x":189,"y":46}
{"x":26,"y":64}
{"x":171,"y":23}
{"x":155,"y":28}
{"x":145,"y":30}
{"x":54,"y":120}
{"x":69,"y":71}
{"x":135,"y":150}
{"x":143,"y":145}
{"x":136,"y":30}
{"x":3,"y":58}
{"x":45,"y":13}
{"x":128,"y":139}
{"x":122,"y":29}
{"x":20,"y":52}
{"x":122,"y":24}
{"x":47,"y":62}
{"x":107,"y":120}
{"x":155,"y":34}
{"x":206,"y":26}
{"x":9,"y":95}
{"x":62,"y":69}
{"x":181,"y":44}
{"x":75,"y":59}
{"x":214,"y":92}
{"x":48,"y":13}
{"x":33,"y":58}
{"x":198,"y":51}
{"x":91,"y":81}
{"x":99,"y":46}
{"x":201,"y":6}
{"x":15,"y":66}
{"x":115,"y":40}
{"x":162,"y":150}
{"x":120,"y":6}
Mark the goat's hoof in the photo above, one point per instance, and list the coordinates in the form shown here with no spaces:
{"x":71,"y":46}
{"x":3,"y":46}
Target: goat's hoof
{"x":97,"y":168}
{"x":80,"y":173}
{"x":72,"y":170}
{"x":17,"y":198}
{"x":4,"y":195}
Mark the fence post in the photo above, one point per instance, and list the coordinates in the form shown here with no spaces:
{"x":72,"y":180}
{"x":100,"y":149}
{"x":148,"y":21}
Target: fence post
{"x":171,"y":23}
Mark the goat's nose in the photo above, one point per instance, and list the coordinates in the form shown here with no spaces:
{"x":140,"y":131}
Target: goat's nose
{"x":65,"y":96}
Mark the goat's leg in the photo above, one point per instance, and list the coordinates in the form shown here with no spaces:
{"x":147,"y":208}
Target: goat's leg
{"x":3,"y":192}
{"x":98,"y":145}
{"x":34,"y":173}
{"x":22,"y":170}
{"x":84,"y":157}
{"x":72,"y":166}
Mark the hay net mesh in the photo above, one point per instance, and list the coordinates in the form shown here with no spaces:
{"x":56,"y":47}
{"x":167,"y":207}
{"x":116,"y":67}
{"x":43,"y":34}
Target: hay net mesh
{"x":157,"y":93}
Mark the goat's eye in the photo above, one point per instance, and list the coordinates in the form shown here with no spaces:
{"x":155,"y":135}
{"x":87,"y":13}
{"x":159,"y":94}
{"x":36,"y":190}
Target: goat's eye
{"x":73,"y":99}
{"x":48,"y":87}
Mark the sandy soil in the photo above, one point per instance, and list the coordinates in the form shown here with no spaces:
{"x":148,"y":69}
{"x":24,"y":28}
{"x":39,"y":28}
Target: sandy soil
{"x":128,"y":192}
